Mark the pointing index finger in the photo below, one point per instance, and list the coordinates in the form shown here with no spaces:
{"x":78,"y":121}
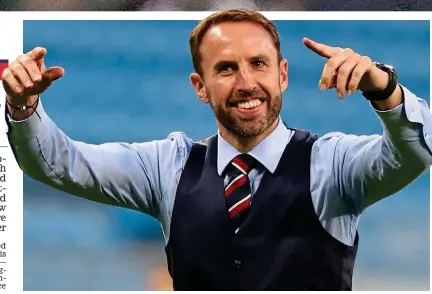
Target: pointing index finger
{"x":321,"y":49}
{"x":37,"y":53}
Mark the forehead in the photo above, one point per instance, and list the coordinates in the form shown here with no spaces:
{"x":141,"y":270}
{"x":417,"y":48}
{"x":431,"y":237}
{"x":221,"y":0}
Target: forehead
{"x":236,"y":40}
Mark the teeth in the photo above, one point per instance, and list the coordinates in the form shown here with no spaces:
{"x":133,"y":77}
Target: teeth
{"x":249,"y":104}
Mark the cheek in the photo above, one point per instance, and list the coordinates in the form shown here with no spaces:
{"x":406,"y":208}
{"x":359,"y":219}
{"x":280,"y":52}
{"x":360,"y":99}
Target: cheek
{"x":270,"y":84}
{"x":221,"y":91}
{"x":276,"y":82}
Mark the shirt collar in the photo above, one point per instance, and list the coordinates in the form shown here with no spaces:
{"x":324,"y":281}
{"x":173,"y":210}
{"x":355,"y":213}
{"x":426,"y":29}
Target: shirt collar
{"x":268,"y":152}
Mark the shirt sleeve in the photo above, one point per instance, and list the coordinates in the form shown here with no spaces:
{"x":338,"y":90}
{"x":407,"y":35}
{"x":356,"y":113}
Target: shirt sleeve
{"x":358,"y":171}
{"x":131,"y":175}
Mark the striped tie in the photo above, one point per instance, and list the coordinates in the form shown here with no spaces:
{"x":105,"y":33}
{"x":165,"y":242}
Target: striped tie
{"x":238,"y":191}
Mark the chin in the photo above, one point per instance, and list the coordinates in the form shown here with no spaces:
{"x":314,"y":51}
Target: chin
{"x":250,"y":129}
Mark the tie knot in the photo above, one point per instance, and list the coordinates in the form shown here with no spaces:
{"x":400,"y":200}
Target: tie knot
{"x":244,"y":163}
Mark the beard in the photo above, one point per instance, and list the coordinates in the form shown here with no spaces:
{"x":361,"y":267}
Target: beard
{"x":244,"y":126}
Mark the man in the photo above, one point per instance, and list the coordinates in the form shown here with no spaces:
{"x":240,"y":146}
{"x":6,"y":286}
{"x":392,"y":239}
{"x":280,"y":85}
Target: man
{"x":258,"y":206}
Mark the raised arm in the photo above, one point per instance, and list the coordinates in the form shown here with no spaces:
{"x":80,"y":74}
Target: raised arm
{"x":136,"y":176}
{"x":361,"y":170}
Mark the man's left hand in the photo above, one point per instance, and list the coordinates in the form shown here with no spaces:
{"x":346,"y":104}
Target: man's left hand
{"x":346,"y":70}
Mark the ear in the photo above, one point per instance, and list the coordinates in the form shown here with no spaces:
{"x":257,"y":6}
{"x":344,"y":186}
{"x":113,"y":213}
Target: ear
{"x":283,"y":79}
{"x":198,"y":84}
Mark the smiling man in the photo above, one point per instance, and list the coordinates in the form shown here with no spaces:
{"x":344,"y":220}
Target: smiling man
{"x":240,"y":74}
{"x":259,"y":205}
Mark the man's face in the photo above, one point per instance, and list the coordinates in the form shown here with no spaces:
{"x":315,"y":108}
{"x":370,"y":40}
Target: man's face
{"x":242,"y":77}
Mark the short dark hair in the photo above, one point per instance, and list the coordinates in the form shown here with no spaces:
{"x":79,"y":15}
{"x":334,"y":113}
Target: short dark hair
{"x":232,"y":15}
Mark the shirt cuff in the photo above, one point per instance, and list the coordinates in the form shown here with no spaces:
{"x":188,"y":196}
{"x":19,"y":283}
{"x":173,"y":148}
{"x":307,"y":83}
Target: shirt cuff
{"x":28,"y":128}
{"x":409,"y":109}
{"x":406,"y":118}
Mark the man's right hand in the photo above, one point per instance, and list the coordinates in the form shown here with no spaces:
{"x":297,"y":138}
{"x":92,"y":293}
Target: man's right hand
{"x":25,"y":79}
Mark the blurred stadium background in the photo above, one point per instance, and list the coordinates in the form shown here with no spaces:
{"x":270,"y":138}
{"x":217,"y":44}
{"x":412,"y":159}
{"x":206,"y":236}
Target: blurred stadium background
{"x":128,"y":81}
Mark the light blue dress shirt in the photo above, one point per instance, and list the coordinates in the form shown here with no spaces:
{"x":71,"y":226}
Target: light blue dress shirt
{"x":348,"y":173}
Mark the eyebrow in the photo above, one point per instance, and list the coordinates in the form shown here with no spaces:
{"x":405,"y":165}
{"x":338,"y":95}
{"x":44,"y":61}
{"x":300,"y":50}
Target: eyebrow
{"x":261,"y":57}
{"x":229,"y":62}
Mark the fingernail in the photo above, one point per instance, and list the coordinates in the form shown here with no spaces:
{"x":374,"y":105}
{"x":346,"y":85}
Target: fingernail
{"x":37,"y":77}
{"x":340,"y":95}
{"x":323,"y":87}
{"x":349,"y":92}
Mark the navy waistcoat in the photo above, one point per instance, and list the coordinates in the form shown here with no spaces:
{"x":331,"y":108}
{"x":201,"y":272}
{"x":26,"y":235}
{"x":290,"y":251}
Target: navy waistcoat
{"x":280,"y":246}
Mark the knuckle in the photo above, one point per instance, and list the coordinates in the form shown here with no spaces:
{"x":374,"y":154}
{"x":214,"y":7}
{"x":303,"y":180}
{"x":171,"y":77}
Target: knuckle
{"x":28,"y":84}
{"x":6,"y":73}
{"x":348,"y":51}
{"x":343,"y":71}
{"x":352,"y":85}
{"x":367,"y":59}
{"x":22,"y":58}
{"x":331,"y":63}
{"x":356,"y":56}
{"x":15,"y":66}
{"x":324,"y":79}
{"x":26,"y":62}
{"x":340,"y":84}
{"x":356,"y":74}
{"x":18,"y":90}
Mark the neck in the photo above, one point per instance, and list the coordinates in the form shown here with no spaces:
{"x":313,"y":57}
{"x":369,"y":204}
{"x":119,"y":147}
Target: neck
{"x":245,"y":144}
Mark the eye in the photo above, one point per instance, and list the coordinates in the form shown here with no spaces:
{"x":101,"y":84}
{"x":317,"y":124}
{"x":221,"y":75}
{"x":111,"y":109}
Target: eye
{"x":226,"y":67}
{"x":258,"y":63}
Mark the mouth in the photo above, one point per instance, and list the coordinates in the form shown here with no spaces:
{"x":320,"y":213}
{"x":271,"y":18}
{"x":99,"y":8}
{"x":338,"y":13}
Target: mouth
{"x":247,"y":105}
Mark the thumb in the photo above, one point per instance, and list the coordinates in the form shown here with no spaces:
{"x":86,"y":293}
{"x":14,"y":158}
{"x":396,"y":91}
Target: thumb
{"x":53,"y":73}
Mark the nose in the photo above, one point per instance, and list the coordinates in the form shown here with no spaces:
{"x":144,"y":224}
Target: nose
{"x":245,"y":80}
